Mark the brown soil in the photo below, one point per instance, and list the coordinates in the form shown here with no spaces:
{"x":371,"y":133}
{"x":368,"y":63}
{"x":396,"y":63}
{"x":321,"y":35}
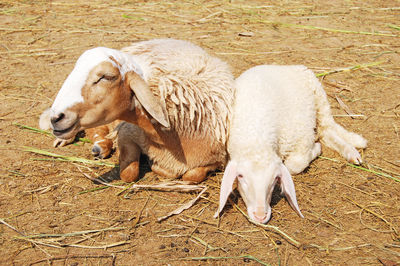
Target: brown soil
{"x":352,"y":216}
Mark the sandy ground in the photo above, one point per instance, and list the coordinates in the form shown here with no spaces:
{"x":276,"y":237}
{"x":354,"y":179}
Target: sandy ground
{"x":51,"y":214}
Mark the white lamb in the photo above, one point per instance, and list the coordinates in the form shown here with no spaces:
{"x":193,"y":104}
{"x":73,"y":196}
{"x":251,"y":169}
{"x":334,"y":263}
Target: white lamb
{"x":279,"y":114}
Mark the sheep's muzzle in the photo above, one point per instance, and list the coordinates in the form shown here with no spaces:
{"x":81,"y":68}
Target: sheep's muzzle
{"x":64,"y":125}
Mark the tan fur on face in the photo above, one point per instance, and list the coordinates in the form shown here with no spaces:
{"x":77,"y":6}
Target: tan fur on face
{"x":105,"y":100}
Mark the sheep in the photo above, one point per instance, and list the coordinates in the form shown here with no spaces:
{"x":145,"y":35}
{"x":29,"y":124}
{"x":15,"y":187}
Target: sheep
{"x":279,"y":114}
{"x":175,"y":92}
{"x":101,"y":136}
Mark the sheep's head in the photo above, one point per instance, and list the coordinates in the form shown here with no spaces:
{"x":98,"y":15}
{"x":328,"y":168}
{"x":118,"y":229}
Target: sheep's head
{"x":256,"y":185}
{"x":102,"y":87}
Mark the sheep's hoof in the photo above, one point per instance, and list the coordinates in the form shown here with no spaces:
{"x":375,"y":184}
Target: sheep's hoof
{"x":198,"y":174}
{"x":102,"y":149}
{"x":130,"y":173}
{"x":353,"y":156}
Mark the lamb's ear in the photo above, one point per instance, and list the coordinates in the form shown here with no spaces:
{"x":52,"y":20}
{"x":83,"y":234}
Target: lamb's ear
{"x":226,"y":185}
{"x":146,"y":98}
{"x":287,"y":187}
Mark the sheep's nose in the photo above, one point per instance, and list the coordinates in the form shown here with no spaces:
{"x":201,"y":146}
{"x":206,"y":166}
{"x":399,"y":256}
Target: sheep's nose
{"x":260,"y":219}
{"x":56,"y":118}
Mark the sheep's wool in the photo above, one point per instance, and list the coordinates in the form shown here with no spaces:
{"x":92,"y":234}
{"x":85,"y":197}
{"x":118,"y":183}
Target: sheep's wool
{"x":196,"y":88}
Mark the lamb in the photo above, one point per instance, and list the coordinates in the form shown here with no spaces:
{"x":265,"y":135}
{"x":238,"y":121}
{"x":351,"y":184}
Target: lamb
{"x":276,"y":112}
{"x":178,"y":95}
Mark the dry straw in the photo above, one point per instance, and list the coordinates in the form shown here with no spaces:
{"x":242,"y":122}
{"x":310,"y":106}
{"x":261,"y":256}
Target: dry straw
{"x":307,"y":27}
{"x":378,"y":173}
{"x":67,"y":158}
{"x":44,"y":132}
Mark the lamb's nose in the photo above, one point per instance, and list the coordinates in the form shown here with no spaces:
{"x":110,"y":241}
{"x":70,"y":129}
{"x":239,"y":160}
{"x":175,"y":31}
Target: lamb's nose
{"x":260,"y":219}
{"x":56,"y":118}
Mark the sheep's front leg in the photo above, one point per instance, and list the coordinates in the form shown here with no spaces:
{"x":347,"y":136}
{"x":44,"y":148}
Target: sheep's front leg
{"x":129,"y":157}
{"x":102,"y":146}
{"x":131,"y":139}
{"x":198,"y":174}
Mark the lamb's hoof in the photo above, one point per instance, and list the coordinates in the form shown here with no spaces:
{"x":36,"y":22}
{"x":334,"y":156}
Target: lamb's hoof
{"x":359,"y":142}
{"x":130,"y":173}
{"x":353,"y":156}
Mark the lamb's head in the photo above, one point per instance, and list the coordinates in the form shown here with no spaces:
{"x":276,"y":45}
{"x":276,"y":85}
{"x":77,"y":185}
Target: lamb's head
{"x":256,"y":182}
{"x":105,"y":85}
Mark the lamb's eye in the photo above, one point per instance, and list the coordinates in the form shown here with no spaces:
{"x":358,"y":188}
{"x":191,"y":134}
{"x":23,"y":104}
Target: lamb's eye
{"x":239,"y":176}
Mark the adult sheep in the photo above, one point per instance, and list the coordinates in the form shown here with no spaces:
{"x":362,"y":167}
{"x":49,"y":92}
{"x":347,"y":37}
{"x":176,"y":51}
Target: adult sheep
{"x":179,"y":97}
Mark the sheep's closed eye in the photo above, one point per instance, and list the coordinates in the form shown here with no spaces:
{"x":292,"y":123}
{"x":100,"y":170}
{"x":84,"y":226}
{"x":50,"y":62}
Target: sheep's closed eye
{"x":105,"y":77}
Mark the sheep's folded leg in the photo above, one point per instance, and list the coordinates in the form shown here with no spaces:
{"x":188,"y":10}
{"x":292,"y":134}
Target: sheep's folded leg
{"x":130,"y":173}
{"x":102,"y":146}
{"x":298,"y":160}
{"x":198,"y":174}
{"x":163,"y":172}
{"x":129,"y":157}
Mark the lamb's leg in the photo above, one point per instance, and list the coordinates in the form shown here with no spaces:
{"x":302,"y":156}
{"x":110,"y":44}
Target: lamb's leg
{"x":331,"y":139}
{"x":297,"y":161}
{"x":102,"y":146}
{"x":198,"y":174}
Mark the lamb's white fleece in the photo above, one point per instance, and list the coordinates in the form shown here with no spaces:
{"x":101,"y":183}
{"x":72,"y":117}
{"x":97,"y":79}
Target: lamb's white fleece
{"x":278,"y":111}
{"x":280,"y":108}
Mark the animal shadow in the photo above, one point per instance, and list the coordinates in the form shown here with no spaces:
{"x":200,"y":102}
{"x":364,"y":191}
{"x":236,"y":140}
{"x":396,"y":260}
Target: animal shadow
{"x":113,"y":174}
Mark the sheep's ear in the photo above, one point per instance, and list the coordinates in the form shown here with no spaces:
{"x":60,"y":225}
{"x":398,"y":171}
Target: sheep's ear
{"x":287,"y":187}
{"x":146,"y":98}
{"x":226,"y":185}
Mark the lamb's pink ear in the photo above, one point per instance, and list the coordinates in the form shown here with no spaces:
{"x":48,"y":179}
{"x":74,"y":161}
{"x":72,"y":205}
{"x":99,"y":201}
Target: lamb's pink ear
{"x":226,"y":185}
{"x":287,"y":187}
{"x":146,"y":98}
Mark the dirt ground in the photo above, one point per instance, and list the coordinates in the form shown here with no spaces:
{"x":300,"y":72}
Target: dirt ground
{"x":51,"y":214}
